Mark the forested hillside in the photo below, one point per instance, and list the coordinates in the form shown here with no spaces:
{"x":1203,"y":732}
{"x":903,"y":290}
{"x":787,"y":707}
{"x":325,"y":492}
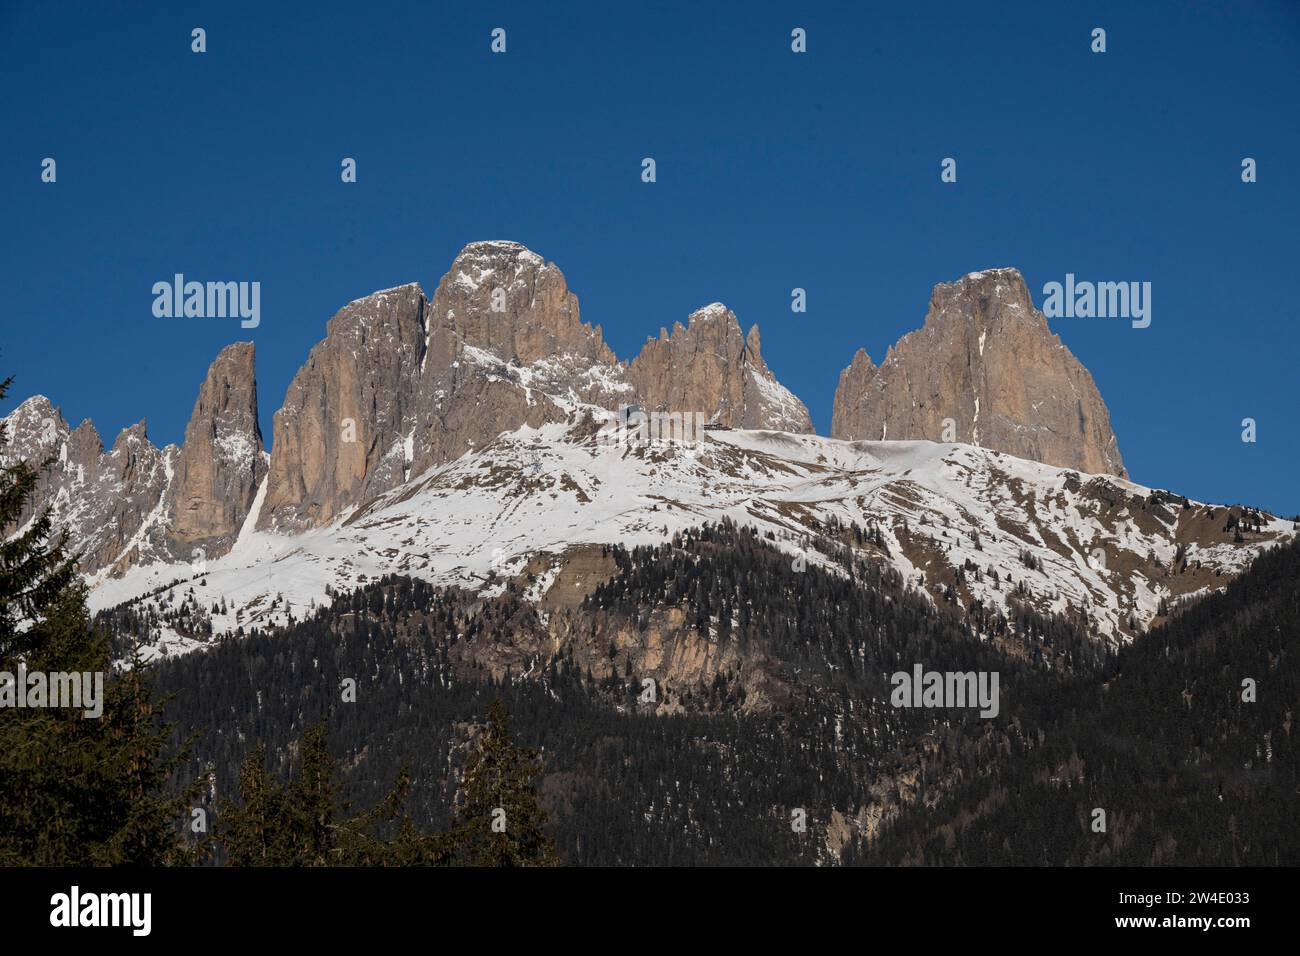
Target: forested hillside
{"x":791,"y":719}
{"x":1186,"y":740}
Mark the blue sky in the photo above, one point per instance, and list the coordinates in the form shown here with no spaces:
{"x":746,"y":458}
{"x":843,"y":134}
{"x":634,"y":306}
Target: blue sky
{"x":775,"y":170}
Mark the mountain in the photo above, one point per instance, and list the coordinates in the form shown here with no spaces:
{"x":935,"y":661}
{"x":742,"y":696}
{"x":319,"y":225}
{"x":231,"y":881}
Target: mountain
{"x":984,"y":369}
{"x":708,"y":366}
{"x":340,"y":435}
{"x":457,"y":506}
{"x":709,"y":666}
{"x":1190,"y":767}
{"x":766,"y":681}
{"x":220,"y":466}
{"x":969,"y":527}
{"x":403,"y":383}
{"x":137,"y":503}
{"x":400,"y":384}
{"x":472,"y":436}
{"x":106,"y":501}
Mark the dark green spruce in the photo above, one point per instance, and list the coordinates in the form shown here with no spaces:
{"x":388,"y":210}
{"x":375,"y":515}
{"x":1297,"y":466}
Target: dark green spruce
{"x":75,"y":790}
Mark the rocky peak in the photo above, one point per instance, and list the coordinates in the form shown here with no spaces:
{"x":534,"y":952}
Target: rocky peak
{"x":30,"y":410}
{"x":754,"y":351}
{"x":134,"y":502}
{"x":507,"y":347}
{"x":709,"y":366}
{"x":133,"y":454}
{"x":986,"y":370}
{"x":34,"y":426}
{"x":847,"y":420}
{"x":34,"y":432}
{"x":402,"y":383}
{"x":412,"y":383}
{"x":220,"y":466}
{"x":84,"y":444}
{"x":504,"y":298}
{"x":981,"y":302}
{"x":339,"y":435}
{"x":132,"y":436}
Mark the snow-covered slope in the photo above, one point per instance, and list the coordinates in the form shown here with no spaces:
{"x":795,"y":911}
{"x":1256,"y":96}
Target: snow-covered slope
{"x":964,"y":523}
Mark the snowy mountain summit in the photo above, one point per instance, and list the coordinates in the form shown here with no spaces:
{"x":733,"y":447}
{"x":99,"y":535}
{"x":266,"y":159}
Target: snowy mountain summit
{"x":487,"y":432}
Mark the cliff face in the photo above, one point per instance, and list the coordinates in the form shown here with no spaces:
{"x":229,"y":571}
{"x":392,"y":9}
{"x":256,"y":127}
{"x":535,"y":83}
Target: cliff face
{"x":506,"y":347}
{"x":403,"y":383}
{"x":986,"y":360}
{"x":710,"y":367}
{"x":136,"y":503}
{"x":220,"y":466}
{"x":503,"y":298}
{"x":340,"y":435}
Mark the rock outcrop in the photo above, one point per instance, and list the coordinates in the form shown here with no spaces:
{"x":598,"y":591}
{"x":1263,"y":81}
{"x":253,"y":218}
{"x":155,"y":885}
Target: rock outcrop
{"x":506,"y":347}
{"x":136,"y":503}
{"x":403,"y":383}
{"x":984,"y":369}
{"x":709,"y":366}
{"x":341,"y":434}
{"x":106,"y":501}
{"x":503,"y":298}
{"x":220,"y":466}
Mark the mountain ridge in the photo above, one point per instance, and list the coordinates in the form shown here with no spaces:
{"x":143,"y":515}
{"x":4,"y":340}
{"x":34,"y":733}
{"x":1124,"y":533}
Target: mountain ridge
{"x":400,"y":383}
{"x":407,"y":393}
{"x":970,"y":528}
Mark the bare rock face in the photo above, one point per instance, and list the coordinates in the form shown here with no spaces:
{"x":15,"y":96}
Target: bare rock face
{"x":986,"y":361}
{"x":469,"y":395}
{"x":106,"y":502}
{"x":36,"y":432}
{"x":221,"y":464}
{"x":131,"y":486}
{"x":506,"y":347}
{"x":402,"y":383}
{"x":136,"y":503}
{"x":340,"y":435}
{"x":708,"y":366}
{"x":503,"y":298}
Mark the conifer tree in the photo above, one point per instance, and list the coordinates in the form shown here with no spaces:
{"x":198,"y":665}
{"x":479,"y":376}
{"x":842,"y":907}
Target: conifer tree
{"x":33,"y":572}
{"x":252,"y":832}
{"x":501,"y":820}
{"x":312,"y":798}
{"x":303,"y":824}
{"x":74,"y":790}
